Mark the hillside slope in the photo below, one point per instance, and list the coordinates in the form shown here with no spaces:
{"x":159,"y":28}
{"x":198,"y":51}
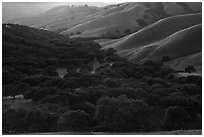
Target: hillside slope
{"x":181,"y":41}
{"x":112,"y":22}
{"x":109,"y":20}
{"x":127,"y":16}
{"x":182,"y":62}
{"x":163,"y":28}
{"x":180,"y":44}
{"x":59,"y":16}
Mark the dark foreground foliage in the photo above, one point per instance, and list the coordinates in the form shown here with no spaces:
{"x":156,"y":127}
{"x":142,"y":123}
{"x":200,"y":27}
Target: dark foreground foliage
{"x":115,"y":96}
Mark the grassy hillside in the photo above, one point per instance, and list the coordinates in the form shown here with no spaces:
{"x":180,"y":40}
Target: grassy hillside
{"x":56,"y":18}
{"x":180,"y":47}
{"x":157,"y":31}
{"x":182,"y":43}
{"x":109,"y":21}
{"x":182,"y":62}
{"x":106,"y":42}
{"x":175,"y":37}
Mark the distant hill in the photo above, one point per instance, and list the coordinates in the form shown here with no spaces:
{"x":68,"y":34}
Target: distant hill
{"x":112,"y":22}
{"x":58,"y":15}
{"x":109,"y":21}
{"x":26,"y":9}
{"x":16,"y":10}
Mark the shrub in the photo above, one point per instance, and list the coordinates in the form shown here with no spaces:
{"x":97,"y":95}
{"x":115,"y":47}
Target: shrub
{"x":126,"y":115}
{"x":23,"y":121}
{"x":78,"y":32}
{"x":21,"y":88}
{"x":194,"y":79}
{"x":37,"y":93}
{"x":164,"y":71}
{"x":69,"y":83}
{"x":50,"y":71}
{"x":8,"y":90}
{"x":141,"y":22}
{"x":35,"y":79}
{"x":9,"y":76}
{"x":113,"y":83}
{"x":117,"y":31}
{"x":153,"y":64}
{"x":56,"y":99}
{"x":189,"y":89}
{"x":156,"y":97}
{"x":152,"y":81}
{"x":86,"y":107}
{"x":75,"y":121}
{"x":190,"y":69}
{"x":175,"y":118}
{"x":127,"y":31}
{"x":165,"y":58}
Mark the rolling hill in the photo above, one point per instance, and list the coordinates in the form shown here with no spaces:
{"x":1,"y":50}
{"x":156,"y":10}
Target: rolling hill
{"x":112,"y":22}
{"x":126,"y":16}
{"x":137,"y":30}
{"x":179,"y":41}
{"x":163,"y":28}
{"x":118,"y":20}
{"x":179,"y":44}
{"x":76,"y":83}
{"x":180,"y":63}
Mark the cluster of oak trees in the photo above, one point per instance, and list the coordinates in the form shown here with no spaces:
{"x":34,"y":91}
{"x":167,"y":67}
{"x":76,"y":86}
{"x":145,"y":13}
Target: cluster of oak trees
{"x":121,"y":96}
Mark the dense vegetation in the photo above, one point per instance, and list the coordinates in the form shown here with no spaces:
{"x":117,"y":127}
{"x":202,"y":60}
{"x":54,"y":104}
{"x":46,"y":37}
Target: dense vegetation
{"x":117,"y":96}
